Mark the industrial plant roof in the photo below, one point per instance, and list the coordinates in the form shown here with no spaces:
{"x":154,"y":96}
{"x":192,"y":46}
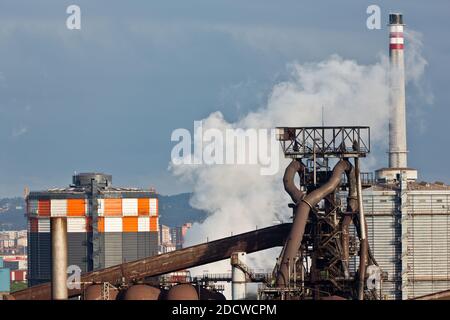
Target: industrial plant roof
{"x":77,"y":192}
{"x":421,"y":185}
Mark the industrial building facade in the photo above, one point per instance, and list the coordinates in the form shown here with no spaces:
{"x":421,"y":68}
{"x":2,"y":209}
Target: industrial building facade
{"x":106,"y":225}
{"x":409,"y":235}
{"x":408,"y":221}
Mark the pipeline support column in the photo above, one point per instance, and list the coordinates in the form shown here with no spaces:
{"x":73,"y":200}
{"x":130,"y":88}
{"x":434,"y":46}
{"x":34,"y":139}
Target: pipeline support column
{"x":58,"y":227}
{"x":364,"y":244}
{"x":238,"y":276}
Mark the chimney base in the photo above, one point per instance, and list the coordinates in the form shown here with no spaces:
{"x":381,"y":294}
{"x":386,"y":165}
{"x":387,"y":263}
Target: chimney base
{"x":388,"y":175}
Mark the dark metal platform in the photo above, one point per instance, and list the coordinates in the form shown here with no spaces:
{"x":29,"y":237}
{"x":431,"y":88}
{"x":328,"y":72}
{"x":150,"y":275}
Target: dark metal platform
{"x":324,"y":142}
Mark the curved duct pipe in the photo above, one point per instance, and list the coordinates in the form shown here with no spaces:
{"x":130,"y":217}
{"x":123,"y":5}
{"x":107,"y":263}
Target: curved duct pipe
{"x":296,"y":166}
{"x":294,"y":240}
{"x":371,"y":258}
{"x":366,"y":254}
{"x":288,"y":180}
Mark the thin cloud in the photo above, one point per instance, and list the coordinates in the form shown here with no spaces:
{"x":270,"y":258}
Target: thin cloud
{"x":17,"y":132}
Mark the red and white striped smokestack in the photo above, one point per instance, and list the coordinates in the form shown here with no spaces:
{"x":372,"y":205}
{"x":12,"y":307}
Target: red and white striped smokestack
{"x":398,"y":164}
{"x":397,"y":120}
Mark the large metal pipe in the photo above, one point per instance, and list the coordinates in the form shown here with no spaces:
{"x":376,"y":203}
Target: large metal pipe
{"x":370,"y":256}
{"x":397,"y":120}
{"x":59,"y":258}
{"x":294,"y":240}
{"x":352,"y":207}
{"x":296,"y":166}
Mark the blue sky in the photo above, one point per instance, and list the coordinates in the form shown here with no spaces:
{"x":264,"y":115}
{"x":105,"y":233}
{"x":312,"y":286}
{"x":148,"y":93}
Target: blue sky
{"x":107,"y":97}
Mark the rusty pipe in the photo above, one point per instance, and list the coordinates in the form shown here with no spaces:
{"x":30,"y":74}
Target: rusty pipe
{"x":301,"y":216}
{"x":296,"y":166}
{"x":370,"y":255}
{"x":353,"y":204}
{"x":362,"y":267}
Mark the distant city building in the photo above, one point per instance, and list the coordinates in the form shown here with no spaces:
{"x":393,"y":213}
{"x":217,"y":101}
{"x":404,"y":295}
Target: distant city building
{"x":22,"y":242}
{"x":13,"y":242}
{"x":13,"y":268}
{"x":184,"y":228}
{"x":15,"y":262}
{"x":165,"y":237}
{"x":172,"y":239}
{"x":178,"y":234}
{"x":18,"y":275}
{"x":106,"y":225}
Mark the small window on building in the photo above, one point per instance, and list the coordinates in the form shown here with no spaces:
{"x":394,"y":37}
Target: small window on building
{"x":383,"y":200}
{"x":439,"y":200}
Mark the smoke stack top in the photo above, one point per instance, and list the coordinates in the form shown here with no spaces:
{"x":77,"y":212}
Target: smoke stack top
{"x":396,"y":31}
{"x":396,"y":18}
{"x":396,"y":41}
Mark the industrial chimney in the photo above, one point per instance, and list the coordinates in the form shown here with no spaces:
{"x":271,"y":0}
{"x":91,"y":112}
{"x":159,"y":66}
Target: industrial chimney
{"x":398,"y":162}
{"x":397,"y":105}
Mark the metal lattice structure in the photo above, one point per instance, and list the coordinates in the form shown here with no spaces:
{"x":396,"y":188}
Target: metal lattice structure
{"x":314,"y":261}
{"x":324,"y":142}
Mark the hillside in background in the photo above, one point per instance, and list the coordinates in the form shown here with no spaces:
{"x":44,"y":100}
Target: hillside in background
{"x":174,"y":211}
{"x":12,"y":214}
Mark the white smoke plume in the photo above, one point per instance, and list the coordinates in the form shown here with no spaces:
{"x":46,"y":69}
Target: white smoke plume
{"x":414,"y":60}
{"x":237,"y":197}
{"x":415,"y":68}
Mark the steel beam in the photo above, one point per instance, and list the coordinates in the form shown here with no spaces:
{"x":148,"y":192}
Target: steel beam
{"x":197,"y":255}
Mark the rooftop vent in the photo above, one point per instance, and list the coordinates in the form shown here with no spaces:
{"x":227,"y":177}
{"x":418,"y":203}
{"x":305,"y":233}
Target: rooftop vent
{"x":85,"y":179}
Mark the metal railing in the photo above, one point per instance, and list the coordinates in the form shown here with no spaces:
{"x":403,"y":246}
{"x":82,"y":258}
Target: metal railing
{"x":323,"y":142}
